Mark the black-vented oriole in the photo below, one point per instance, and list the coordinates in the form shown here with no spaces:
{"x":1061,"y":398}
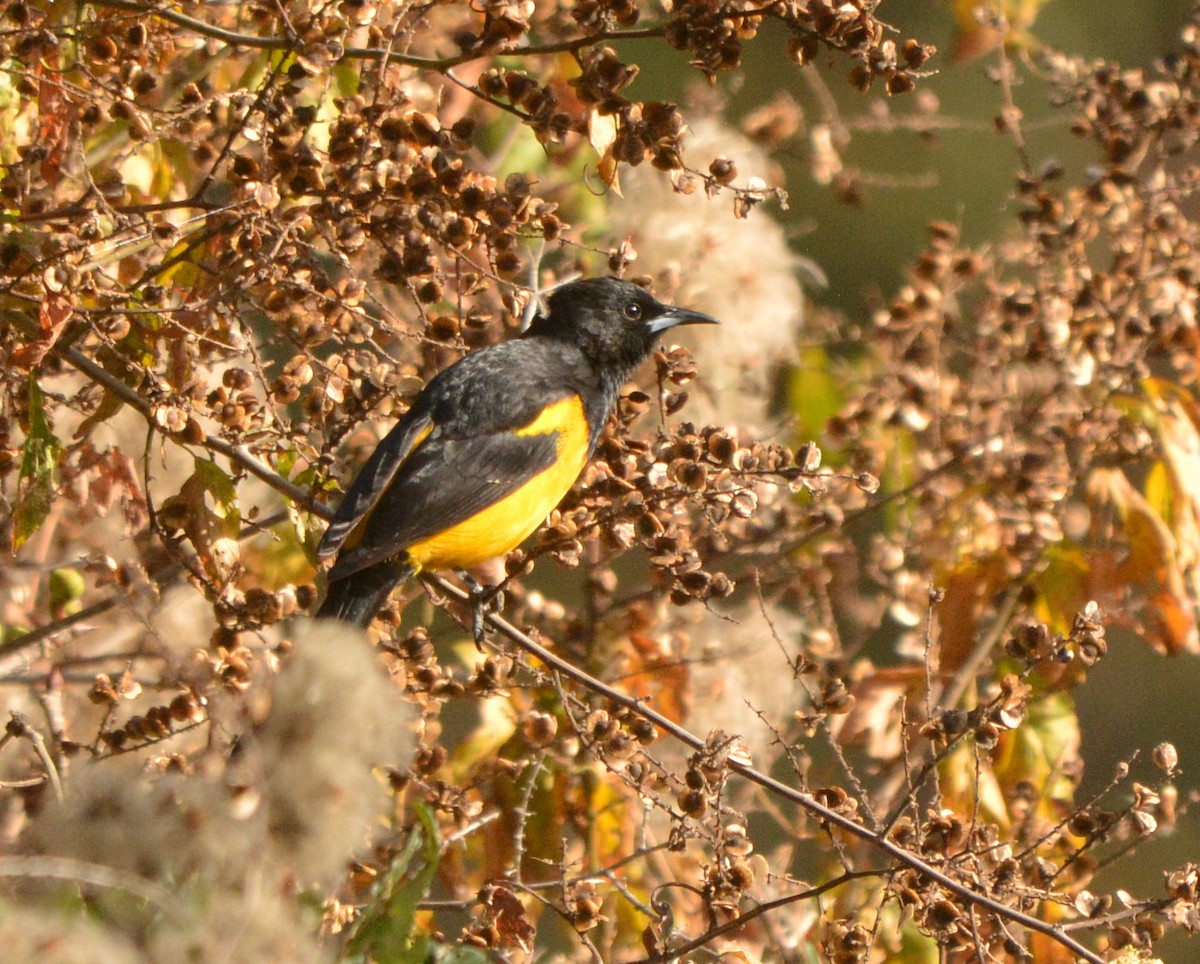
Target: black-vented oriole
{"x":491,"y":444}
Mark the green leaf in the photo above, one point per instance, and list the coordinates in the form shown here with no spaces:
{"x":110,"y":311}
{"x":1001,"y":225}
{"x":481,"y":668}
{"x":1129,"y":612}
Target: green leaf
{"x":384,"y":931}
{"x":1039,"y":752}
{"x":306,"y":478}
{"x":221,"y":487}
{"x":286,"y":460}
{"x":346,"y":79}
{"x":814,"y":395}
{"x":67,"y":587}
{"x":40,"y":456}
{"x":449,"y":954}
{"x":915,"y":947}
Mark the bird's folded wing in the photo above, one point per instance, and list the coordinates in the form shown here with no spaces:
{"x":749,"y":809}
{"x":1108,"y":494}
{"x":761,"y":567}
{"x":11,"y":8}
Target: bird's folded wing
{"x":445,"y":482}
{"x":374,"y":478}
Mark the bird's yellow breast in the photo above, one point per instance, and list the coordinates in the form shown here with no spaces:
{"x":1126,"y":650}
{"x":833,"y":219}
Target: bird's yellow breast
{"x":503,"y":525}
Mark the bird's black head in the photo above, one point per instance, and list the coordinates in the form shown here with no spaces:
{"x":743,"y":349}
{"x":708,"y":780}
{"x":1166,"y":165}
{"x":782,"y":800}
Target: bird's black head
{"x":615,"y":323}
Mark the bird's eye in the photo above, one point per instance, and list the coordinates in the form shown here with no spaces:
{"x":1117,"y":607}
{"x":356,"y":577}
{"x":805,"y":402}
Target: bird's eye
{"x":633,"y":311}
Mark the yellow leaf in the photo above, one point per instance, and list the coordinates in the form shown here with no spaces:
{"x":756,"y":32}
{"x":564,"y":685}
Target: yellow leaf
{"x":966,"y":780}
{"x":1044,"y":751}
{"x":1178,"y":418}
{"x":497,"y":723}
{"x":137,"y":171}
{"x":602,"y":134}
{"x":1064,"y":584}
{"x":982,"y":25}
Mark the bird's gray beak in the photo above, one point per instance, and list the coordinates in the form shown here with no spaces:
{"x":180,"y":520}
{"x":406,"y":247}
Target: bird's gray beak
{"x":679,"y":316}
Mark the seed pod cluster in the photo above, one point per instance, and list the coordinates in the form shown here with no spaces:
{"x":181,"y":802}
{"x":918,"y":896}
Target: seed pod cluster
{"x":155,"y":724}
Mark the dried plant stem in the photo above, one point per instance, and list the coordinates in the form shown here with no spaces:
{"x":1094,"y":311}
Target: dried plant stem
{"x":387,"y":55}
{"x":521,"y":812}
{"x":728,"y":927}
{"x":95,"y":875}
{"x":18,"y":726}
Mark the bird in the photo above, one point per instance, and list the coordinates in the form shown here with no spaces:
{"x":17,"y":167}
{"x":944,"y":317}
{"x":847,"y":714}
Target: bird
{"x":491,"y":445}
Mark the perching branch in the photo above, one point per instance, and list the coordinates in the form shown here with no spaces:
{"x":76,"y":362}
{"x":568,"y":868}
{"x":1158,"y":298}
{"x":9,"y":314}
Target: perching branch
{"x":768,"y":783}
{"x":235,"y":453}
{"x":436,"y":64}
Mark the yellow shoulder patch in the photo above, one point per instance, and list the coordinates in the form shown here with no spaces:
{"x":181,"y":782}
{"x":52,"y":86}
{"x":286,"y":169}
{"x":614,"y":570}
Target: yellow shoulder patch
{"x":565,"y":416}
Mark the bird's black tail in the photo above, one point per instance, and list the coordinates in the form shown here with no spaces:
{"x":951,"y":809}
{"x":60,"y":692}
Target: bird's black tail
{"x":357,"y":597}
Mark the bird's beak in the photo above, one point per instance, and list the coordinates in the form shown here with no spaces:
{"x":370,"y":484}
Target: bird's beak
{"x":679,"y":316}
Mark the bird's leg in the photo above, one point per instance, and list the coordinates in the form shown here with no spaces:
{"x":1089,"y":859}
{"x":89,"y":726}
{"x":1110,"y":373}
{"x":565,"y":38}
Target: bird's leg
{"x":484,"y":599}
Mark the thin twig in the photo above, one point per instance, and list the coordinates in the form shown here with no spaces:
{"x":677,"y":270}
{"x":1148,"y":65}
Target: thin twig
{"x":471,"y":828}
{"x":521,"y":813}
{"x":438,"y":64}
{"x":675,"y":953}
{"x":96,"y":875}
{"x":35,"y":636}
{"x":18,"y":725}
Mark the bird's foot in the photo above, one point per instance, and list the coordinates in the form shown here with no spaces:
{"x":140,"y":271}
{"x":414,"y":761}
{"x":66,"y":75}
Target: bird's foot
{"x":484,"y":600}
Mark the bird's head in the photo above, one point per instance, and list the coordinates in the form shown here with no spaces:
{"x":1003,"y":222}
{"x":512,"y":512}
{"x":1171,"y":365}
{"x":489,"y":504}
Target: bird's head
{"x":614,"y":322}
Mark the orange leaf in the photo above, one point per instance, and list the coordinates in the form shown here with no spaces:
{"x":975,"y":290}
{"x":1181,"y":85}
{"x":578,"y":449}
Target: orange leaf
{"x":1172,"y":624}
{"x":54,"y":122}
{"x":875,"y":718}
{"x":1152,"y":564}
{"x":965,"y":591}
{"x":53,"y":316}
{"x":508,"y":914}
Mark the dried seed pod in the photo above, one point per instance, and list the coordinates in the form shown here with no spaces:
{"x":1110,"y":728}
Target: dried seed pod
{"x":539,"y":729}
{"x":693,"y":803}
{"x":1166,"y":758}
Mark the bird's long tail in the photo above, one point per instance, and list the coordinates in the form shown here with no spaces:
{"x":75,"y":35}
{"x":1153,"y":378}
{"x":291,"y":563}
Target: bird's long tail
{"x":360,"y":595}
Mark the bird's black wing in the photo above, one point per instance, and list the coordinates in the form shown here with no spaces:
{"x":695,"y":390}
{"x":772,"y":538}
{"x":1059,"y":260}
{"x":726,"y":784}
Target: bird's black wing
{"x":455,"y":453}
{"x":374,"y":478}
{"x":445,"y":482}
